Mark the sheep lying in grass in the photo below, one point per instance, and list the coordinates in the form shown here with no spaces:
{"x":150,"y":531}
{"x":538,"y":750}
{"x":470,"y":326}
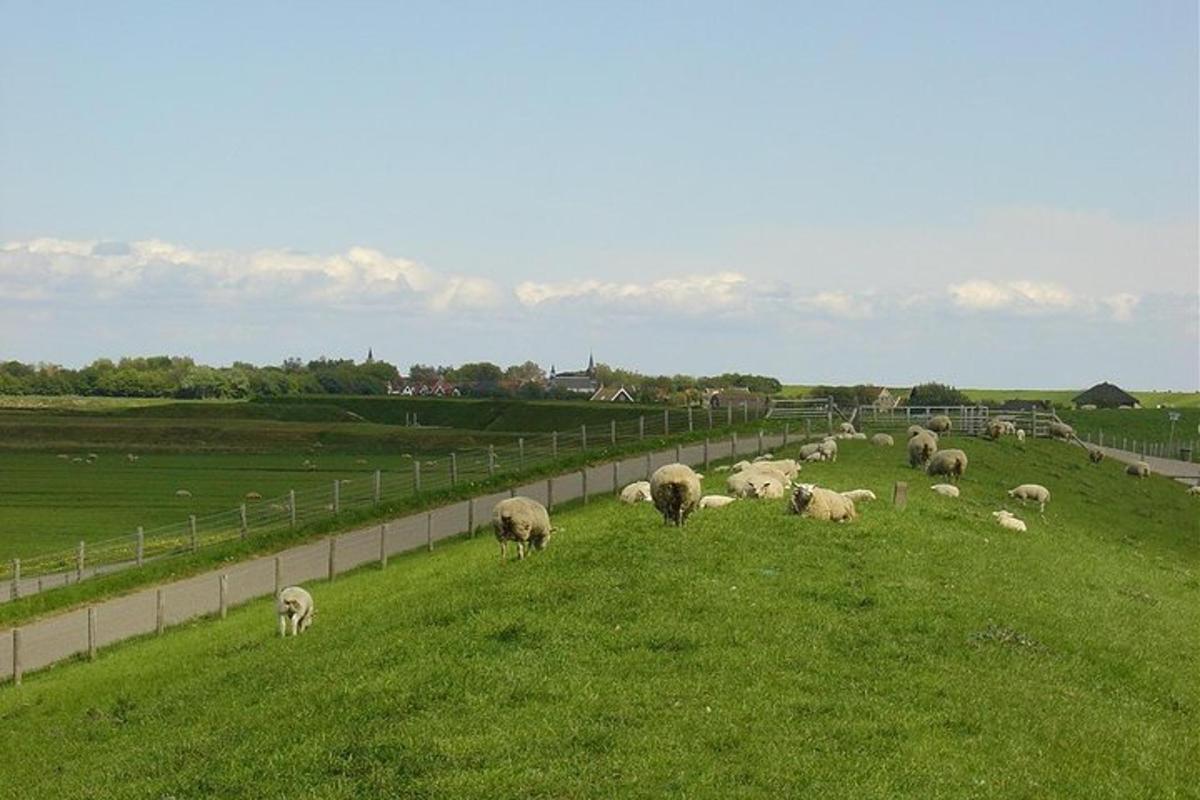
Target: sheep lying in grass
{"x":952,"y":463}
{"x":1007,"y":520}
{"x":636,"y":492}
{"x":1031,"y":491}
{"x":883,"y":440}
{"x":1138,"y":469}
{"x":182,"y":493}
{"x":814,"y":457}
{"x":810,"y":500}
{"x":921,"y":448}
{"x":296,"y":610}
{"x":858,"y":495}
{"x":945,"y":489}
{"x":939,"y":424}
{"x":1194,"y":490}
{"x":809,"y":449}
{"x":253,"y":496}
{"x":1095,"y":455}
{"x":1061,"y":430}
{"x":675,"y":490}
{"x":846,"y":427}
{"x":522,"y":520}
{"x":786,"y":468}
{"x":715,"y":501}
{"x":753,"y":483}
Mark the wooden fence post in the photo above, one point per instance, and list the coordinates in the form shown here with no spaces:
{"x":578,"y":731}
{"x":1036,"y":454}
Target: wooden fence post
{"x":16,"y":579}
{"x":91,"y":633}
{"x":160,"y":611}
{"x":245,"y":528}
{"x":729,"y":415}
{"x":785,"y":435}
{"x":900,"y":495}
{"x":377,"y":489}
{"x":745,"y":411}
{"x":583,"y":479}
{"x":733,"y":444}
{"x":642,"y":427}
{"x":666,"y":422}
{"x":760,"y":441}
{"x":678,"y":454}
{"x":612,"y":432}
{"x":648,"y":463}
{"x":616,"y":477}
{"x":583,"y":437}
{"x":292,"y":506}
{"x":331,"y":572}
{"x":16,"y":656}
{"x":223,"y":594}
{"x":549,"y":493}
{"x":195,"y":536}
{"x":690,"y":428}
{"x":706,"y":454}
{"x":429,"y":529}
{"x":521,"y":453}
{"x":278,"y":575}
{"x":471,"y":518}
{"x":710,"y":420}
{"x":491,"y":460}
{"x":79,"y":561}
{"x":141,"y":545}
{"x":383,"y":545}
{"x":416,"y":474}
{"x":554,"y":444}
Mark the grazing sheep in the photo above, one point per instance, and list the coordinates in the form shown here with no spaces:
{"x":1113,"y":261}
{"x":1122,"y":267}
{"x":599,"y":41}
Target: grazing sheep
{"x":860,"y":436}
{"x":131,"y":457}
{"x":1031,"y":491}
{"x":995,"y":429}
{"x":751,"y":484}
{"x":829,"y":449}
{"x":715,"y":501}
{"x":93,"y":456}
{"x":77,"y":460}
{"x":939,"y":424}
{"x":741,"y":465}
{"x":296,"y":610}
{"x":676,"y":491}
{"x":1095,"y":455}
{"x":182,"y":493}
{"x":765,"y":457}
{"x":858,"y":495}
{"x":1139,"y":469}
{"x":636,"y":492}
{"x":807,"y":450}
{"x":948,"y":462}
{"x":846,"y":427}
{"x":1020,"y":434}
{"x":810,"y":500}
{"x":522,"y":520}
{"x":64,"y":456}
{"x":1061,"y":430}
{"x":1194,"y":489}
{"x":722,"y":468}
{"x":1007,"y":520}
{"x":883,"y":440}
{"x":253,"y":496}
{"x":913,"y":430}
{"x":921,"y":448}
{"x":945,"y":489}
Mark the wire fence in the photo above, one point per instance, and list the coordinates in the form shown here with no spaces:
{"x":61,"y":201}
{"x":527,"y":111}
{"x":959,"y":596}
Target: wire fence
{"x":297,"y":508}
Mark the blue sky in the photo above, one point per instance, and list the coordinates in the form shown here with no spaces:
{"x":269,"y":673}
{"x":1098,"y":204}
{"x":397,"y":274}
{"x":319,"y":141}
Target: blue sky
{"x":987,"y":194}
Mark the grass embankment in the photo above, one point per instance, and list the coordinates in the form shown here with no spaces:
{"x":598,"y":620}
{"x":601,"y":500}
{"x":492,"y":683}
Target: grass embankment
{"x":1142,"y":424}
{"x":923,"y":653}
{"x":1059,"y":397}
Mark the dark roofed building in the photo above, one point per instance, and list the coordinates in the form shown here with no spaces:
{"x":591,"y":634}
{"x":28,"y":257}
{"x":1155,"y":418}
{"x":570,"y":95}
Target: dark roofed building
{"x":581,"y":381}
{"x":612,"y":394}
{"x":1018,"y":404}
{"x":1106,"y":395}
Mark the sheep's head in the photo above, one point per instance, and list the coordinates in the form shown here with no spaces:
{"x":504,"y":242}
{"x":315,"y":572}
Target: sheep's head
{"x":802,"y":496}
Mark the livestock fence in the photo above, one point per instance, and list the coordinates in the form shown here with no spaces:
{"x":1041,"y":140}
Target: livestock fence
{"x":84,"y":631}
{"x":1176,"y":449}
{"x":451,"y":470}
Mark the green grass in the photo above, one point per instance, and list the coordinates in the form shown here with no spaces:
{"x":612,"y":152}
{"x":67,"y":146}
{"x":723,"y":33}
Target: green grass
{"x":924,"y":653}
{"x":1060,"y":397}
{"x":1142,"y":424}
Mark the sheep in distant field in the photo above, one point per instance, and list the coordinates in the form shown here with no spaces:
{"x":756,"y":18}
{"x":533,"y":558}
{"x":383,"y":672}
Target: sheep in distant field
{"x":77,"y":460}
{"x":1031,"y":491}
{"x":1138,"y":469}
{"x":1195,"y":490}
{"x":1061,"y":430}
{"x":883,"y":440}
{"x":939,"y":424}
{"x":522,"y":520}
{"x":675,"y":490}
{"x":1020,"y":434}
{"x":715,"y":501}
{"x":948,"y":462}
{"x":64,"y":456}
{"x":921,"y":448}
{"x":253,"y":496}
{"x":182,"y":493}
{"x":1095,"y":455}
{"x":1007,"y":520}
{"x":93,"y":456}
{"x":807,"y":450}
{"x":945,"y":489}
{"x":846,"y":427}
{"x":360,"y":461}
{"x":636,"y":492}
{"x":131,"y":457}
{"x":810,"y":500}
{"x":858,"y":495}
{"x":296,"y":610}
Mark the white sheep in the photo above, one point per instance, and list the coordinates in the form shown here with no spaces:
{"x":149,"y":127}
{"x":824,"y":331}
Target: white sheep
{"x":1194,"y":490}
{"x":1020,"y":434}
{"x":296,"y":610}
{"x":636,"y":492}
{"x":810,"y":500}
{"x":858,"y":495}
{"x":1138,"y":469}
{"x":182,"y":493}
{"x":1061,"y":430}
{"x":807,"y":450}
{"x":715,"y":501}
{"x":814,"y":457}
{"x":883,"y":440}
{"x":860,"y":436}
{"x":921,"y":447}
{"x":846,"y":427}
{"x":1031,"y":491}
{"x":787,"y":468}
{"x":945,"y":489}
{"x":952,"y":463}
{"x":829,"y":449}
{"x":939,"y":424}
{"x":522,"y":520}
{"x":1007,"y":520}
{"x":754,"y":483}
{"x":676,"y":491}
{"x":253,"y":496}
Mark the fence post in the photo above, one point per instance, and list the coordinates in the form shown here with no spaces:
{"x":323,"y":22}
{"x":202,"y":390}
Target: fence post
{"x":91,"y":633}
{"x":690,"y":428}
{"x":471,"y":518}
{"x":242,"y":519}
{"x":829,"y":414}
{"x":79,"y":561}
{"x":785,"y":434}
{"x":554,"y":444}
{"x":332,"y":571}
{"x":160,"y":611}
{"x":583,"y":479}
{"x":733,"y":444}
{"x":16,"y":579}
{"x":706,"y":454}
{"x":760,"y":441}
{"x":616,"y":477}
{"x":807,"y":428}
{"x":666,"y":422}
{"x":583,"y":437}
{"x":491,"y":460}
{"x":549,"y":493}
{"x":521,"y":453}
{"x":900,"y":495}
{"x":648,"y":463}
{"x":416,"y":475}
{"x":642,"y":427}
{"x":141,"y":545}
{"x":612,"y":432}
{"x":710,"y":421}
{"x":729,"y":415}
{"x":292,"y":506}
{"x":377,"y":491}
{"x":16,"y":656}
{"x":192,"y":525}
{"x":223,"y":594}
{"x":429,"y":529}
{"x":678,"y":454}
{"x":383,"y":546}
{"x":278,"y":575}
{"x":745,"y":411}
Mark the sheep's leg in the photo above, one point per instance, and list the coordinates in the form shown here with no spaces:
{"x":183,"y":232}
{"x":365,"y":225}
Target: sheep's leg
{"x":293,"y":621}
{"x":503,"y":551}
{"x":520,"y":551}
{"x":283,"y":625}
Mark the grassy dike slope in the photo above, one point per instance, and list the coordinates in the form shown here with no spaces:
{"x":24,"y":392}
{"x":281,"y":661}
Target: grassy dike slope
{"x":924,"y":653}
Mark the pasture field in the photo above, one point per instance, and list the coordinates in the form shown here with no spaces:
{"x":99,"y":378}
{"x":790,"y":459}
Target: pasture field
{"x":1059,"y":397}
{"x":919,"y":653}
{"x":1142,"y":424}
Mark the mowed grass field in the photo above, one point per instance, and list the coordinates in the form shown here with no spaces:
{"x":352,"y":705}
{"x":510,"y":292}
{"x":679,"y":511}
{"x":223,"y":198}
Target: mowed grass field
{"x":918,"y":653}
{"x":1060,"y":397}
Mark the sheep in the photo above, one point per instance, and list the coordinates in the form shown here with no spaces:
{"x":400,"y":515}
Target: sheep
{"x":636,"y":492}
{"x":860,"y":436}
{"x":722,"y":468}
{"x":753,"y":483}
{"x":1061,"y":430}
{"x":253,"y":496}
{"x":815,"y":457}
{"x":810,"y":500}
{"x":939,"y":424}
{"x":846,"y":427}
{"x":765,"y":457}
{"x":1031,"y":491}
{"x":77,"y":460}
{"x":741,"y":465}
{"x":858,"y":495}
{"x":676,"y":491}
{"x":64,"y":456}
{"x":1095,"y":455}
{"x":182,"y":493}
{"x":948,"y":462}
{"x":921,"y":448}
{"x":522,"y":520}
{"x":829,"y":449}
{"x":1139,"y":469}
{"x":788,"y":468}
{"x":296,"y":610}
{"x":131,"y":457}
{"x":1194,"y":490}
{"x":945,"y":489}
{"x":715,"y":501}
{"x":995,"y":429}
{"x":913,"y":430}
{"x":1020,"y":434}
{"x":807,"y":450}
{"x":883,"y":440}
{"x":1007,"y":520}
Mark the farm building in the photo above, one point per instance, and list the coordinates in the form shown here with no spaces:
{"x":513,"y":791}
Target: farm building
{"x":408,"y":388}
{"x":580,"y":381}
{"x":881,"y":398}
{"x":1105,"y":395}
{"x":612,"y":394}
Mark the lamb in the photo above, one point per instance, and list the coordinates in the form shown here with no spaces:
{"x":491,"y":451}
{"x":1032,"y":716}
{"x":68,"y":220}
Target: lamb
{"x":296,"y":610}
{"x":858,"y":495}
{"x":1020,"y":434}
{"x":522,"y":520}
{"x":948,"y":462}
{"x":676,"y":491}
{"x":1095,"y":455}
{"x":756,"y":483}
{"x":253,"y":496}
{"x":1031,"y":491}
{"x":765,"y":457}
{"x":921,"y":448}
{"x":945,"y":489}
{"x":715,"y":501}
{"x":1007,"y":520}
{"x":810,"y":500}
{"x":882,"y":440}
{"x":636,"y":492}
{"x":1139,"y":469}
{"x":846,"y":427}
{"x":829,"y":449}
{"x":182,"y":493}
{"x":1195,"y":490}
{"x":939,"y":424}
{"x":1061,"y":430}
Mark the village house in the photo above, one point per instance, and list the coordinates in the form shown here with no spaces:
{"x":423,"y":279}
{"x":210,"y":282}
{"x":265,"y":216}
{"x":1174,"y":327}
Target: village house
{"x":1105,"y":395}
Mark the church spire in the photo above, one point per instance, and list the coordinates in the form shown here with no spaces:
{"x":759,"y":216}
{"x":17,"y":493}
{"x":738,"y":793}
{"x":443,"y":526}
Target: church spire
{"x":370,"y":356}
{"x":591,"y":370}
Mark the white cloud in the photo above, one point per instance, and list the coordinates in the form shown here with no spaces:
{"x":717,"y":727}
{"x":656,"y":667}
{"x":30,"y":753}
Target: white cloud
{"x":690,"y":294}
{"x":1021,"y":296}
{"x":1121,"y":305}
{"x":838,"y":304}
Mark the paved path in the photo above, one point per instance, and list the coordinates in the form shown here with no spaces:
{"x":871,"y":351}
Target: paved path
{"x":1183,"y":471}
